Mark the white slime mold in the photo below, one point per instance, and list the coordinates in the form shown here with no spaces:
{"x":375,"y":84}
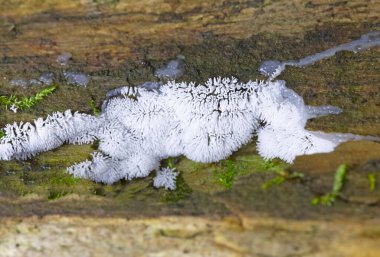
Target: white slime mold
{"x":140,"y":126}
{"x":274,"y":68}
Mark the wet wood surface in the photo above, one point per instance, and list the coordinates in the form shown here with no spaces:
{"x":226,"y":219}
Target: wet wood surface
{"x":122,"y":43}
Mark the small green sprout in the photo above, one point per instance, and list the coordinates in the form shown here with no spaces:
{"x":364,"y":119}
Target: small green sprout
{"x":171,"y":163}
{"x":281,"y":172}
{"x":372,"y":181}
{"x":329,"y":198}
{"x":278,"y":180}
{"x":281,"y":178}
{"x":2,"y":133}
{"x":26,"y":103}
{"x":95,"y":110}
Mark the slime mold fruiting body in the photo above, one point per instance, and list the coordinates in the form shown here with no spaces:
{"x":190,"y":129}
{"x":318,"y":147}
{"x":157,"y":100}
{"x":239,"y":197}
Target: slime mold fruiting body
{"x":140,"y":126}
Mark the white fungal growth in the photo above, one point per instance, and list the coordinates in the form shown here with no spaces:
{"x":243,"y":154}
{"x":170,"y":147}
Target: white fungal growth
{"x":166,"y":178}
{"x":215,"y":119}
{"x":13,"y":108}
{"x":24,"y":140}
{"x":274,"y":68}
{"x":77,"y":78}
{"x":19,"y":82}
{"x":140,"y":126}
{"x":101,"y":169}
{"x":46,"y":78}
{"x":172,"y":70}
{"x":64,"y":58}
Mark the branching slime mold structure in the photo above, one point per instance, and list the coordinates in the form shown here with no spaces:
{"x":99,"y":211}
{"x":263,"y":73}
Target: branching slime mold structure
{"x":140,"y":126}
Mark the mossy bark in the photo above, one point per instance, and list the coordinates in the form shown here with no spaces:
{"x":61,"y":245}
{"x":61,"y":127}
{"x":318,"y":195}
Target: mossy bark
{"x":122,"y":43}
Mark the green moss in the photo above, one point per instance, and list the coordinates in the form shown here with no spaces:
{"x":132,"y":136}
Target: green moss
{"x":259,"y":164}
{"x":56,"y":194}
{"x":275,"y":166}
{"x":67,"y":181}
{"x":63,"y":156}
{"x":226,"y":172}
{"x":182,"y":191}
{"x":282,"y":176}
{"x":9,"y":167}
{"x":216,"y":177}
{"x":46,"y":174}
{"x":46,"y":183}
{"x":227,"y":175}
{"x":124,"y":191}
